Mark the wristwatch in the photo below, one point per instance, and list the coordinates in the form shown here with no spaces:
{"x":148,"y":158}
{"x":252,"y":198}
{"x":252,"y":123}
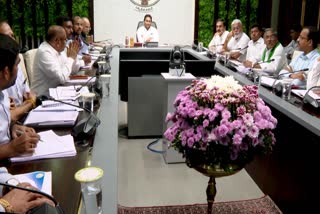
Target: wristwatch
{"x":13,"y":182}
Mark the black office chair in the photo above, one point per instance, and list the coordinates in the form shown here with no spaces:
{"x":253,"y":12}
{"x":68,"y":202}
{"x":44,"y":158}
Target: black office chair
{"x":153,"y":24}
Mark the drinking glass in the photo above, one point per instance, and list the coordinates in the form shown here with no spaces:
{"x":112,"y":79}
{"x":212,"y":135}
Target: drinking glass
{"x":105,"y":84}
{"x":87,"y":100}
{"x":286,"y":88}
{"x":90,"y":179}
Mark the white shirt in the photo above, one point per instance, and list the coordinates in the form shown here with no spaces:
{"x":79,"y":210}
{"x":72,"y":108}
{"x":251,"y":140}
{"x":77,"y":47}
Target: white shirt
{"x":19,"y":88}
{"x":239,"y":42}
{"x":143,"y":34}
{"x":278,"y":63}
{"x":217,"y":42}
{"x":4,"y":117}
{"x":255,"y":50}
{"x":313,"y":78}
{"x":51,"y":69}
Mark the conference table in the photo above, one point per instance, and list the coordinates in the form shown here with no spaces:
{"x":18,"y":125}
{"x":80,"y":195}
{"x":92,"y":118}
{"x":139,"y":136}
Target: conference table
{"x":286,"y":175}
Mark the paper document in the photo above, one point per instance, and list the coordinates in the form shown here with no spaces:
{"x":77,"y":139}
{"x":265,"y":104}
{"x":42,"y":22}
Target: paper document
{"x":302,"y":93}
{"x":67,"y":92}
{"x":50,"y":146}
{"x":50,"y":105}
{"x":39,"y":179}
{"x":48,"y":118}
{"x":268,"y":81}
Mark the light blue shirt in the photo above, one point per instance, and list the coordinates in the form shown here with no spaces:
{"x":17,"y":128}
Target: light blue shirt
{"x":304,"y":61}
{"x":4,"y":117}
{"x":19,"y":88}
{"x":301,"y":62}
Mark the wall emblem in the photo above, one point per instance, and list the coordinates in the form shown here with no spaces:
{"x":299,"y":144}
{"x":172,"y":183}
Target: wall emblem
{"x":144,"y":5}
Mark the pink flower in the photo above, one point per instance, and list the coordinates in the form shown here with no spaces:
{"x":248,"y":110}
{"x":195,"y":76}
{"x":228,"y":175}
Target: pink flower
{"x":205,"y":123}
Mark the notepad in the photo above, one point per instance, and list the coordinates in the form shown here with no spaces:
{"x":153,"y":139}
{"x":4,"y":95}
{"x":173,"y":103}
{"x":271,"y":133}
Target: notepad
{"x":51,"y":146}
{"x":39,"y":179}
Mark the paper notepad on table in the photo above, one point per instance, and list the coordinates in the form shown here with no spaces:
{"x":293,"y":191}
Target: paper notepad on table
{"x":50,"y":146}
{"x":49,"y":118}
{"x":39,"y":179}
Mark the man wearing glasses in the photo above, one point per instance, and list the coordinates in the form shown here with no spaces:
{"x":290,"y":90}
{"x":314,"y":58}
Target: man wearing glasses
{"x":300,"y":66}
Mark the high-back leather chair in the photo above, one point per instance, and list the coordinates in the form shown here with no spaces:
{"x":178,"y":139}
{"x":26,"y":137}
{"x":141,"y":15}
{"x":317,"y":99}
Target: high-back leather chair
{"x":29,"y":59}
{"x":140,"y":23}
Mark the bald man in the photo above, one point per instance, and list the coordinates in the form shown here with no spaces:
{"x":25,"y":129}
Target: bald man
{"x":51,"y":68}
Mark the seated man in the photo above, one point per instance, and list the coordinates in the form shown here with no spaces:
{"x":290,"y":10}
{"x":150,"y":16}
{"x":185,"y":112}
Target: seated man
{"x":24,"y":139}
{"x":51,"y":68}
{"x":19,"y":201}
{"x":314,"y":75}
{"x":147,"y":33}
{"x":255,"y":46}
{"x":219,"y":37}
{"x":293,"y":45}
{"x":307,"y":42}
{"x":22,"y":99}
{"x":273,"y":56}
{"x":86,"y":30}
{"x":236,"y":42}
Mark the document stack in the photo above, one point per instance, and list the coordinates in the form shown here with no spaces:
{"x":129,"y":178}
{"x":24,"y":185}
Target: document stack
{"x":50,"y":146}
{"x":56,"y":114}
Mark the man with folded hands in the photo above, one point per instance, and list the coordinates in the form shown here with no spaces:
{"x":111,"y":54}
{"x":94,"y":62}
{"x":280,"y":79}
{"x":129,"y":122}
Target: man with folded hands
{"x":15,"y":140}
{"x":51,"y":67}
{"x":300,"y":67}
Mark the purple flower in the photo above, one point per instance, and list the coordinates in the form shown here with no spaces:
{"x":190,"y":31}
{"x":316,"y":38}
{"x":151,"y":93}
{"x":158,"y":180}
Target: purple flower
{"x":253,"y":132}
{"x":212,"y":115}
{"x":169,"y":116}
{"x":190,"y":142}
{"x":237,"y":139}
{"x":247,"y":119}
{"x":223,"y":130}
{"x":226,"y":114}
{"x":218,"y":107}
{"x":205,"y":123}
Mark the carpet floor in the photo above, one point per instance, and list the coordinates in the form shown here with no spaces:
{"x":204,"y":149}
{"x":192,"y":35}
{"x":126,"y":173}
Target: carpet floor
{"x":263,"y":205}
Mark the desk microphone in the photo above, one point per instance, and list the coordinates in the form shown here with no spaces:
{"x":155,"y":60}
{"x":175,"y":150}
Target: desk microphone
{"x":241,"y":49}
{"x":302,"y":70}
{"x":44,"y":208}
{"x":86,"y":84}
{"x":84,"y":128}
{"x":311,"y":100}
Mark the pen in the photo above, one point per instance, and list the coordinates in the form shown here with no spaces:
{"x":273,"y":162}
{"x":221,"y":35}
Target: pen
{"x":25,"y":80}
{"x":19,"y":133}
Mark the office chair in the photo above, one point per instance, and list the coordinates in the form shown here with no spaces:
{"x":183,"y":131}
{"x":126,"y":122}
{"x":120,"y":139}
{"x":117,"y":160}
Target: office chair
{"x":153,"y":24}
{"x":29,"y":58}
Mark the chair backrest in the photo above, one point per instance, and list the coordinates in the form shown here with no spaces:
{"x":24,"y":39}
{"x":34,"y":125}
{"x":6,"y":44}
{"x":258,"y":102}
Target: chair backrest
{"x":23,"y":68}
{"x":140,"y":23}
{"x":295,"y":54}
{"x":29,"y":59}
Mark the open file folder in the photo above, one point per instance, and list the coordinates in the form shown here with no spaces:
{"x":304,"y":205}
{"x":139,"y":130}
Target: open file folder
{"x":50,"y":146}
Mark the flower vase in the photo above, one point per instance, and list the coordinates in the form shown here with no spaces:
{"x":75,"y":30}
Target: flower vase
{"x":213,"y":172}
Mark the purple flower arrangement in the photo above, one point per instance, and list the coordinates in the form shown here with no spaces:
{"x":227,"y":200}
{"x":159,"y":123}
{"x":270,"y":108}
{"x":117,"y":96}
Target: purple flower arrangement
{"x":219,"y":122}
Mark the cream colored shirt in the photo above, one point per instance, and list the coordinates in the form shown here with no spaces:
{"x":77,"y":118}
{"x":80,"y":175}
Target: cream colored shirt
{"x":51,"y":69}
{"x":143,"y":34}
{"x":216,"y":44}
{"x":239,"y":42}
{"x":278,"y":63}
{"x":255,"y":50}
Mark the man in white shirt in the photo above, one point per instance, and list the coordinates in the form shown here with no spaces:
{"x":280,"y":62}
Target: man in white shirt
{"x":51,"y":67}
{"x":236,"y":42}
{"x":147,"y":33}
{"x":22,"y":99}
{"x":293,"y":45}
{"x":273,"y":56}
{"x":307,"y":42}
{"x":255,"y":46}
{"x":216,"y":44}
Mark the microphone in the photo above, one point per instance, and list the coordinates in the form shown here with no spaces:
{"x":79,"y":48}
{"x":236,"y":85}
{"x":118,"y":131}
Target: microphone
{"x":86,"y":83}
{"x":312,"y":99}
{"x":84,"y":128}
{"x":241,"y":49}
{"x":43,"y":209}
{"x":302,"y":70}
